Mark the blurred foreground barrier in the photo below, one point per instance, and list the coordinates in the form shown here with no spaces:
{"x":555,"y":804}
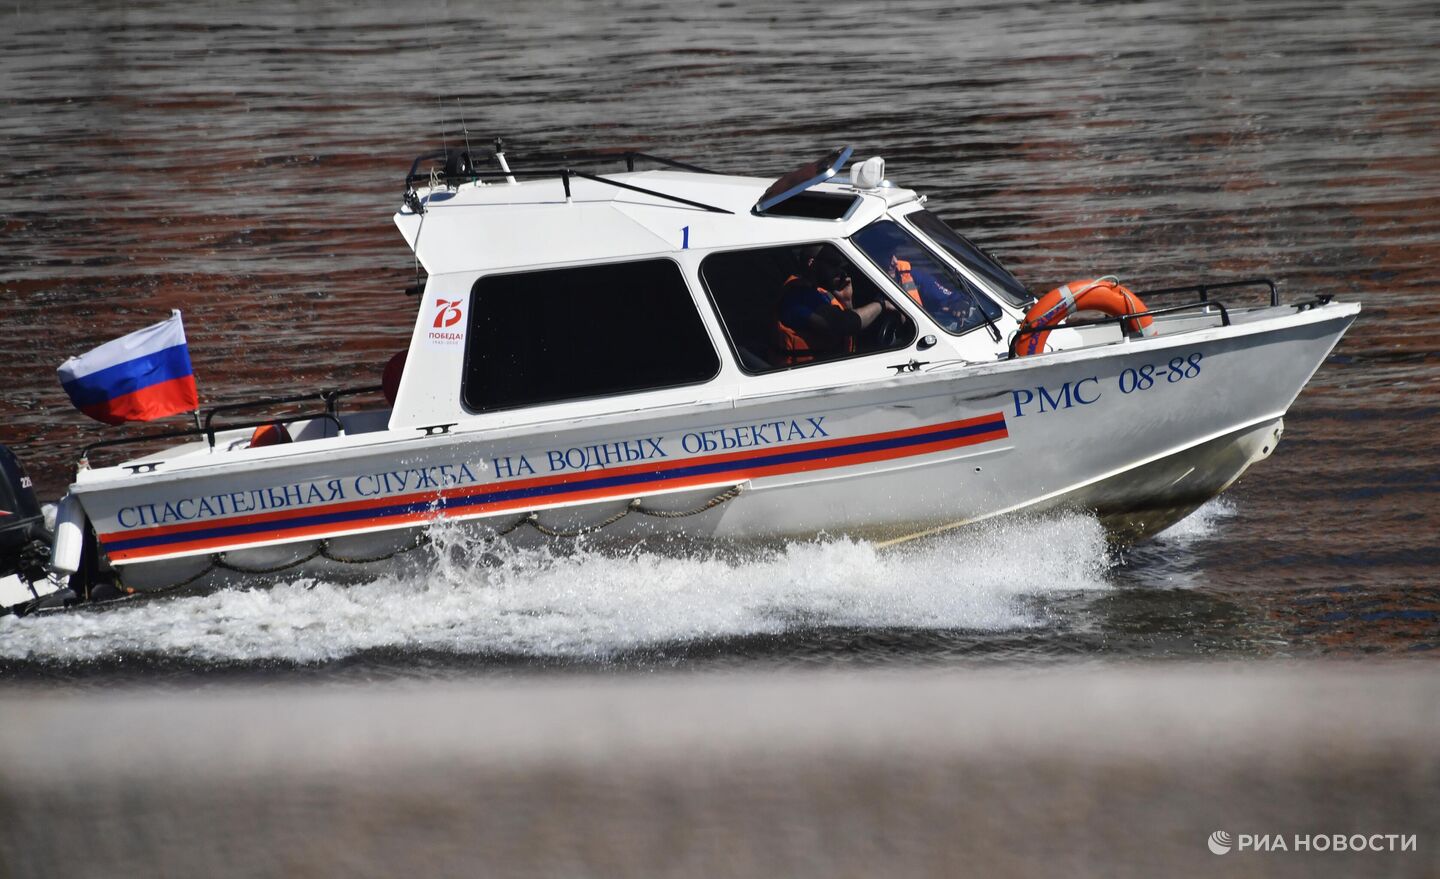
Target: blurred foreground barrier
{"x":1098,"y":772}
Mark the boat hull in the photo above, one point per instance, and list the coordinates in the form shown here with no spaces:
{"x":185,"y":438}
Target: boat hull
{"x":1138,"y":432}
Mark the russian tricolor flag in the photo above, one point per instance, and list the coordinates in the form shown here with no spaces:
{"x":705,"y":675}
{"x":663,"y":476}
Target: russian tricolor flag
{"x":139,"y":377}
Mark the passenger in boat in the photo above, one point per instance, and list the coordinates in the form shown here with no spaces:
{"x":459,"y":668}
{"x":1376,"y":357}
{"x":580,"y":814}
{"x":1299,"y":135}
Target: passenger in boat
{"x":952,"y":309}
{"x":817,"y":316}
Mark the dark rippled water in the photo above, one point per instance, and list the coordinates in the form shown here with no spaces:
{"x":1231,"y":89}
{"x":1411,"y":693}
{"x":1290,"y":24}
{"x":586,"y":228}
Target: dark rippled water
{"x":241,"y":163}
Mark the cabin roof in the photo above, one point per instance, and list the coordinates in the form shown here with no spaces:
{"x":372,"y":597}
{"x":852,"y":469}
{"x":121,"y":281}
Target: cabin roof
{"x":501,"y":225}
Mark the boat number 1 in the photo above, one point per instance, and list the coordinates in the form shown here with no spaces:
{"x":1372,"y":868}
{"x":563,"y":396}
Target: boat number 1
{"x":1144,"y":377}
{"x":685,"y":238}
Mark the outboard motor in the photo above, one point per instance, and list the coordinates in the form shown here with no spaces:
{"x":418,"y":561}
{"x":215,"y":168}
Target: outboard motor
{"x":24,"y":537}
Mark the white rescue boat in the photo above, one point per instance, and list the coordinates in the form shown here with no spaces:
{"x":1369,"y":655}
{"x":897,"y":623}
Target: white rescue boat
{"x":679,"y":354}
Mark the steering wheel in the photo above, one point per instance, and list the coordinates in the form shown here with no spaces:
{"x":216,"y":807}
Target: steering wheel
{"x":888,"y":328}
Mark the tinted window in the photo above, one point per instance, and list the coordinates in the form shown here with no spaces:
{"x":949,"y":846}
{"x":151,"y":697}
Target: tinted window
{"x":954,"y":303}
{"x":968,"y":254}
{"x":793,"y":306}
{"x":563,"y":334}
{"x":815,"y":206}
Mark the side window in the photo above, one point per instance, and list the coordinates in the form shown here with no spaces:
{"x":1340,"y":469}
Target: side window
{"x":956,"y":304}
{"x":566,"y":334}
{"x":793,"y":306}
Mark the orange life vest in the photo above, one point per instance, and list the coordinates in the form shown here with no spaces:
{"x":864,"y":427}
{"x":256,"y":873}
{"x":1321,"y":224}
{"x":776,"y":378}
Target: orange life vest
{"x":907,"y":280}
{"x":794,"y":349}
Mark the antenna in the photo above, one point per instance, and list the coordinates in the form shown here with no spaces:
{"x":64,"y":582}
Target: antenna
{"x":463,"y":128}
{"x":440,"y":105}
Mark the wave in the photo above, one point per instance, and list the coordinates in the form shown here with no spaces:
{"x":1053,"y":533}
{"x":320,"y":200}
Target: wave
{"x":488,"y":599}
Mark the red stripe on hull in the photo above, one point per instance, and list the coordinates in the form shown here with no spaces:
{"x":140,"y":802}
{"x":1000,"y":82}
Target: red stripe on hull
{"x":998,"y":431}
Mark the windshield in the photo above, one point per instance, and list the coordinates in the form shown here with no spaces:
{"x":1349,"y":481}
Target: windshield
{"x":954,"y":303}
{"x":971,"y":256}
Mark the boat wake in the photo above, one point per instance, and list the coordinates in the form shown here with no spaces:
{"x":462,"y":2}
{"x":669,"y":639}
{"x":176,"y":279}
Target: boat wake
{"x":586,"y":605}
{"x":1200,"y":524}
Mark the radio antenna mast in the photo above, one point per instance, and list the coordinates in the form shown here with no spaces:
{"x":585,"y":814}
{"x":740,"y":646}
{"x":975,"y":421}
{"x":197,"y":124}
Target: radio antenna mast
{"x":440,"y":106}
{"x":464,"y":129}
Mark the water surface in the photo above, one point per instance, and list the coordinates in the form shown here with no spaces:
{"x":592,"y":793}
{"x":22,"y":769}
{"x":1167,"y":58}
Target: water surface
{"x":242,"y":162}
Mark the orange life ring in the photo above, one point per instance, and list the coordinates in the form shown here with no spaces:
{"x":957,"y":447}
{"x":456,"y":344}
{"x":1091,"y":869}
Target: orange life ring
{"x":272,"y":434}
{"x":1106,"y":294}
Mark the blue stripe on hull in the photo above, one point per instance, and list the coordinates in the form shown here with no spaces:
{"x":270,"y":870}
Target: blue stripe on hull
{"x":501,"y":494}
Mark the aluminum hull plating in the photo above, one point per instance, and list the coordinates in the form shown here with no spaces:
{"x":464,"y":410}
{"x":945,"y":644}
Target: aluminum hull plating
{"x":1140,"y":432}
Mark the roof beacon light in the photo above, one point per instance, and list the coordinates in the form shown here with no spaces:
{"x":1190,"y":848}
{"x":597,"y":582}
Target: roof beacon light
{"x":869,"y":174}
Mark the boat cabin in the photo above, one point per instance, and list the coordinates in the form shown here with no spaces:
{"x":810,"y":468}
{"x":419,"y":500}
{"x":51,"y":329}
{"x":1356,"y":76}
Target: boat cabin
{"x":576,"y":294}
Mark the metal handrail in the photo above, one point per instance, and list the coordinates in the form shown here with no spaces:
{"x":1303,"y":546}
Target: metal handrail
{"x":1205,"y":303}
{"x":631,"y":156}
{"x":328,"y":396}
{"x":1204,"y":289}
{"x":126,"y":440}
{"x":474,"y":175}
{"x":1119,"y":320}
{"x":564,"y":173}
{"x":598,"y":179}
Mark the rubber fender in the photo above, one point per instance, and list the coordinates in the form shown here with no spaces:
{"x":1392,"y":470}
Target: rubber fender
{"x":69,"y":536}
